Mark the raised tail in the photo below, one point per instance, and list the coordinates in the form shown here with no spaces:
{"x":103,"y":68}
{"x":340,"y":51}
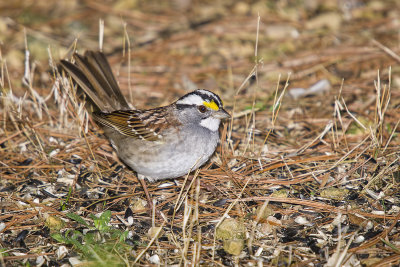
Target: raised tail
{"x":93,"y":74}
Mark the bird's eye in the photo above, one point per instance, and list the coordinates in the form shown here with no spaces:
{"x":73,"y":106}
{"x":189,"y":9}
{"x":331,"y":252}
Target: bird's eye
{"x":202,"y":109}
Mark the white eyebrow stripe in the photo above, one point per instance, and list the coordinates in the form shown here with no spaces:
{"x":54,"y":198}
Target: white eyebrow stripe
{"x":198,"y":98}
{"x":205,"y":92}
{"x":191,"y":99}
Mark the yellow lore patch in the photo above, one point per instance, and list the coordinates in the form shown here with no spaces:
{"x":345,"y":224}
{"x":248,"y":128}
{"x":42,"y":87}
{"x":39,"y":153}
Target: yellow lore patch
{"x":212,"y":105}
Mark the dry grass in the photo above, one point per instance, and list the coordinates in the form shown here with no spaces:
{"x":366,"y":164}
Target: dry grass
{"x":313,"y":180}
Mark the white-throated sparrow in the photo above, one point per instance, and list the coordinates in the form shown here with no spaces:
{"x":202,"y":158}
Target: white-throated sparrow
{"x":160,"y":143}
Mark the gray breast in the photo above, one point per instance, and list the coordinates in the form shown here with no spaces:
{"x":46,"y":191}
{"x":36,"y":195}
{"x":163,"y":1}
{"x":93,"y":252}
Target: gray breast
{"x":173,"y":157}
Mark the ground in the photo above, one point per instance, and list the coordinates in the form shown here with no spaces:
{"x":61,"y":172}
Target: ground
{"x":307,"y":171}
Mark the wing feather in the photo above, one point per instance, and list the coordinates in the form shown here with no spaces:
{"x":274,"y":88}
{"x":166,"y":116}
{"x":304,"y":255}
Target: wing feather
{"x":146,"y":125}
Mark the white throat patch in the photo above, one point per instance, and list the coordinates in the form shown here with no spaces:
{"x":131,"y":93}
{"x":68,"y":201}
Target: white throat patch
{"x":211,"y":123}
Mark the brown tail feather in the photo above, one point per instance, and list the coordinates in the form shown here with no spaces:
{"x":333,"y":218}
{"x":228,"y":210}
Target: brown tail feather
{"x":93,"y":74}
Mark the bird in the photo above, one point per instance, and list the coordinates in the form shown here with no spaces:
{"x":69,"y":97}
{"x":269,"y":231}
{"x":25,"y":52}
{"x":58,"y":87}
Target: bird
{"x":166,"y":142}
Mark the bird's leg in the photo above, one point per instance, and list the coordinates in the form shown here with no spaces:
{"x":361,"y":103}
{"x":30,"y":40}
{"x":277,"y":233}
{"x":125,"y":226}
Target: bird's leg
{"x":146,"y":191}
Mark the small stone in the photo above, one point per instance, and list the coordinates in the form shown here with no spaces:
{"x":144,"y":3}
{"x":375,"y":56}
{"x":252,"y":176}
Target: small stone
{"x":330,"y":20}
{"x":40,"y":261}
{"x":234,"y":246}
{"x":302,"y":221}
{"x":155,"y":259}
{"x":281,"y":32}
{"x":153,"y":232}
{"x":334,"y":193}
{"x":359,"y":239}
{"x":138,"y":205}
{"x":55,"y":224}
{"x":241,"y":8}
{"x":280,"y":193}
{"x":75,"y":261}
{"x":62,"y":251}
{"x":264,"y":213}
{"x":231,"y":229}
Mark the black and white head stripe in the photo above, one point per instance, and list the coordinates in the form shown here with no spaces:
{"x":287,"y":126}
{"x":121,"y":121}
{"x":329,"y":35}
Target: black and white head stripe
{"x":198,"y":97}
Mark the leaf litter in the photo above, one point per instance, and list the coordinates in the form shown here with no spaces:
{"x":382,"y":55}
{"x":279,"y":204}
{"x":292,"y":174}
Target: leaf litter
{"x":310,"y":180}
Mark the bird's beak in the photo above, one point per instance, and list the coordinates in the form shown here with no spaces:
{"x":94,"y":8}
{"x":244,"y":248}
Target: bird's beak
{"x":221,"y":114}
